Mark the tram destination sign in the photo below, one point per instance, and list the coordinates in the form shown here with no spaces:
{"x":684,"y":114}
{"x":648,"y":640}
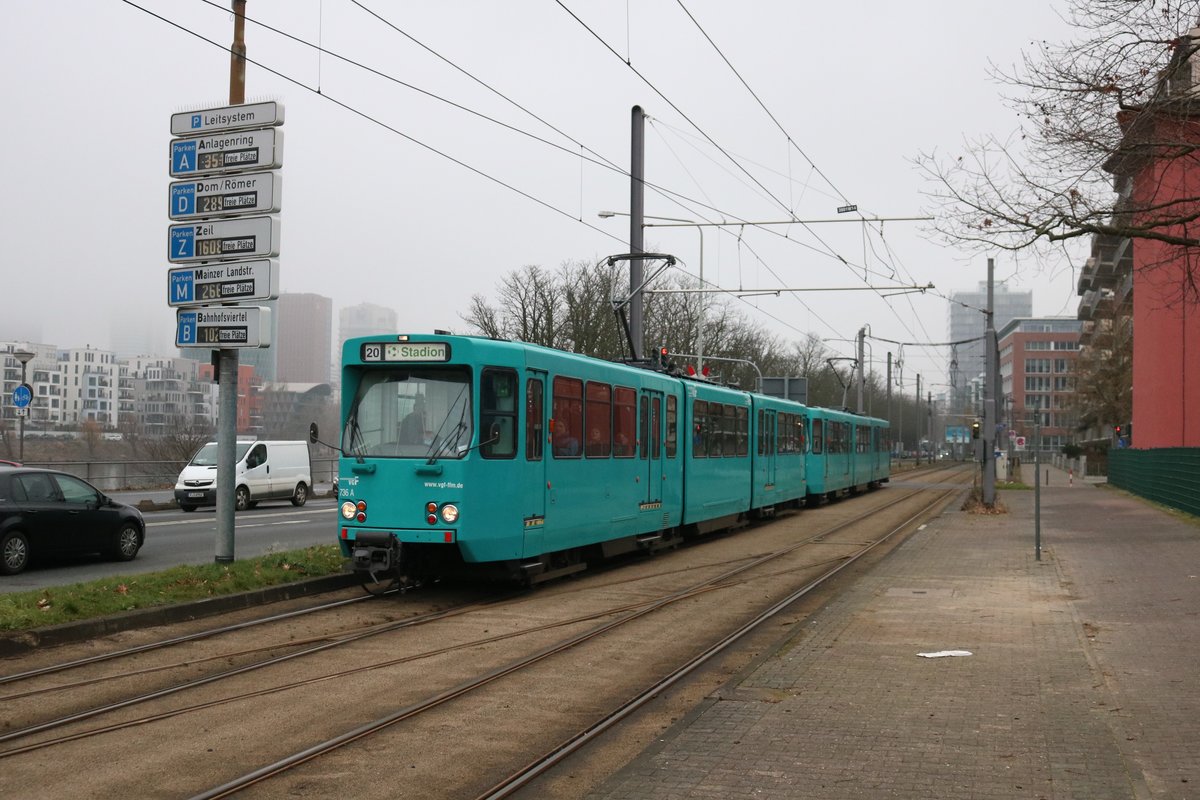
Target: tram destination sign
{"x":249,"y":115}
{"x":223,"y":282}
{"x":223,"y":239}
{"x":231,"y":151}
{"x":223,"y":327}
{"x":225,"y":196}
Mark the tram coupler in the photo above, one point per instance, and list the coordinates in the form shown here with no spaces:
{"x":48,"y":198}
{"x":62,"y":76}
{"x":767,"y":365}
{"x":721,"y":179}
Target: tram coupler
{"x":376,"y":553}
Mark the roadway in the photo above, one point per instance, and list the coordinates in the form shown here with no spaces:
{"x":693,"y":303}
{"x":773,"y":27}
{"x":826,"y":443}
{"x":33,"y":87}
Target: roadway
{"x":174,"y":537}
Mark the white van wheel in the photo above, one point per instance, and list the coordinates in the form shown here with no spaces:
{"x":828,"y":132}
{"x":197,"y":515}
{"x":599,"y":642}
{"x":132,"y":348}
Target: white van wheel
{"x":241,"y":498}
{"x":300,"y":497}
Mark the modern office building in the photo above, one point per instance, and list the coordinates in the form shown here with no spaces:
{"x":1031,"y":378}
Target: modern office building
{"x":1037,"y":372}
{"x":364,"y":319}
{"x":304,"y":327}
{"x":966,"y":324}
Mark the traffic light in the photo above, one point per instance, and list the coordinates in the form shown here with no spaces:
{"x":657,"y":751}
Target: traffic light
{"x":663,"y":357}
{"x":1117,"y":430}
{"x":975,"y":429}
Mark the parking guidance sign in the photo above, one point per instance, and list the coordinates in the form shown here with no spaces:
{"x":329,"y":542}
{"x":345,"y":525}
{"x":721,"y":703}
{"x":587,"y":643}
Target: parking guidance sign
{"x":233,"y":151}
{"x":226,"y":282}
{"x":223,"y":327}
{"x":225,"y":196}
{"x":223,"y":239}
{"x":247,"y":115}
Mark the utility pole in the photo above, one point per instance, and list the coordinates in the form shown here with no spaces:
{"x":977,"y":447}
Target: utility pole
{"x":227,"y":368}
{"x":888,"y":416}
{"x":989,"y":394}
{"x":637,"y":208}
{"x":919,"y":425}
{"x":862,"y":334}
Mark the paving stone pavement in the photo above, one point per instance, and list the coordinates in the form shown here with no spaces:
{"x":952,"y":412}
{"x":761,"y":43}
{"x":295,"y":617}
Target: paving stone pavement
{"x":1081,"y":683}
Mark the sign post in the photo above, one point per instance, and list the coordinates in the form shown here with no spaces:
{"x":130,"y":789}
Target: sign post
{"x":226,"y":238}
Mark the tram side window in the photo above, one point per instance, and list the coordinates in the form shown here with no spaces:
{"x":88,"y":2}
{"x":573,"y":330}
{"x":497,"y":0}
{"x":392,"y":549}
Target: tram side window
{"x":699,"y":428}
{"x":787,"y":443}
{"x":644,"y":427}
{"x":729,"y":431}
{"x":720,"y":430}
{"x":598,"y":419}
{"x":801,"y":427}
{"x":533,"y":419}
{"x":624,"y":422}
{"x":567,"y":423}
{"x":656,"y":428}
{"x":498,"y":413}
{"x":672,"y":426}
{"x":762,"y":435}
{"x":839,"y":438}
{"x":818,"y":436}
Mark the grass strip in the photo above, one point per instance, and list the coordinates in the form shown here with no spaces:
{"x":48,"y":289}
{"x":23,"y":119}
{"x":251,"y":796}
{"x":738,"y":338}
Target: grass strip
{"x":55,"y":605}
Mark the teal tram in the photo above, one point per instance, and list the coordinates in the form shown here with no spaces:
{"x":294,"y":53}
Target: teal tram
{"x":464,"y":454}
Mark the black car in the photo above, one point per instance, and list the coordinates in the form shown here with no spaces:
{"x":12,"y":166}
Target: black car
{"x":44,"y":512}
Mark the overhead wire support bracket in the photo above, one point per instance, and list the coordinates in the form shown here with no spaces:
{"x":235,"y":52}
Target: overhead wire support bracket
{"x":892,"y":290}
{"x":620,"y":305}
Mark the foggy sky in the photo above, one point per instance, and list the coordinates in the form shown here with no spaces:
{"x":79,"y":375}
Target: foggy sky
{"x":394,"y":197}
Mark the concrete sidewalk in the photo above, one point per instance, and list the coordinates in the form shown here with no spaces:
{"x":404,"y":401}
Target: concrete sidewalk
{"x":1081,"y":683}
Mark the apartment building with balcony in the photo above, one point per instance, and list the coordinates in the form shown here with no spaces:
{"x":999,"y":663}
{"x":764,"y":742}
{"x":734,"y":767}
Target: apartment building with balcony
{"x":1145,"y":287}
{"x":90,"y":386}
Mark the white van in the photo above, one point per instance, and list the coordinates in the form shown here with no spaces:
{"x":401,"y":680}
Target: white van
{"x":265,"y":471}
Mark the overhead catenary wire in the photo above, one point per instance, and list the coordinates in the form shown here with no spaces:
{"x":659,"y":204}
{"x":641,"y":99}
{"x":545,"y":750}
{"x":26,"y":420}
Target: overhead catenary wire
{"x":604,"y":163}
{"x":375,"y":121}
{"x":599,"y":160}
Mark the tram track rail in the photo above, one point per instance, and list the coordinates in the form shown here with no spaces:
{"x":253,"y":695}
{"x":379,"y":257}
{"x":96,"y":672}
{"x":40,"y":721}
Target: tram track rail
{"x":620,"y":615}
{"x":523,"y":776}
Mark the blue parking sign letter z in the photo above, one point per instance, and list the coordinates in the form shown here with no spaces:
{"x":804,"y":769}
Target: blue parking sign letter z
{"x":182,"y":242}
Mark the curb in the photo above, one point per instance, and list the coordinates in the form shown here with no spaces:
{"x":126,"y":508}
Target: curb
{"x":14,"y":643}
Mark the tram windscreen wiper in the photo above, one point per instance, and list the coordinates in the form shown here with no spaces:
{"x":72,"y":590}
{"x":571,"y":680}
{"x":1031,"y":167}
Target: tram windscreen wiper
{"x":443,"y":444}
{"x":355,"y":436}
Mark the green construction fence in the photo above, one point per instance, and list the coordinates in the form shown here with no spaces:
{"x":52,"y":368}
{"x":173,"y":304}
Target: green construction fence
{"x":1167,"y":475}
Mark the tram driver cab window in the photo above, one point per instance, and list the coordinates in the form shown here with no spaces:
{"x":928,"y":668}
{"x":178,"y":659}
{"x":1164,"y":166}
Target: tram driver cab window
{"x":498,"y":413}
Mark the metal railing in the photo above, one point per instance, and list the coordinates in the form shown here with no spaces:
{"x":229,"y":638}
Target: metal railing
{"x":112,"y":476}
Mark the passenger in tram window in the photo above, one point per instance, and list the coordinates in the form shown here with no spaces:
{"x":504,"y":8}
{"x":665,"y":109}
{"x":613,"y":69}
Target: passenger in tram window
{"x":565,"y":443}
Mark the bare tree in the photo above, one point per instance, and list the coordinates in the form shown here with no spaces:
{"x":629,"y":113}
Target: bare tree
{"x":1104,"y":379}
{"x":1093,"y":111}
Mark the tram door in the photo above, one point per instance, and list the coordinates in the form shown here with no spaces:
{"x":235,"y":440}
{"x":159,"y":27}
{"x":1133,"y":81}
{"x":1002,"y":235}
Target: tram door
{"x":535,"y":461}
{"x":770,"y":446}
{"x":650,"y":444}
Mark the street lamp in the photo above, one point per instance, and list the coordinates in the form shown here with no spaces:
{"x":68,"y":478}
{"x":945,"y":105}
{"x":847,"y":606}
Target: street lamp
{"x":699,"y":230}
{"x":24,"y":357}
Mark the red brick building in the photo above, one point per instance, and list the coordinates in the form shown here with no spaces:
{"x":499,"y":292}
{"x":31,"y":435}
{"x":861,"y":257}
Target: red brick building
{"x":1037,"y":373}
{"x":1157,"y":177}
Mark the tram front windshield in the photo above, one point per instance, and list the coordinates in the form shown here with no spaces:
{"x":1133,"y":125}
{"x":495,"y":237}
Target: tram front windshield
{"x":410,"y":413}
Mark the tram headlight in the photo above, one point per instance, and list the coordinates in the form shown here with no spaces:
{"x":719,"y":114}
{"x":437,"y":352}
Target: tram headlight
{"x":348,"y":510}
{"x":449,"y":513}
